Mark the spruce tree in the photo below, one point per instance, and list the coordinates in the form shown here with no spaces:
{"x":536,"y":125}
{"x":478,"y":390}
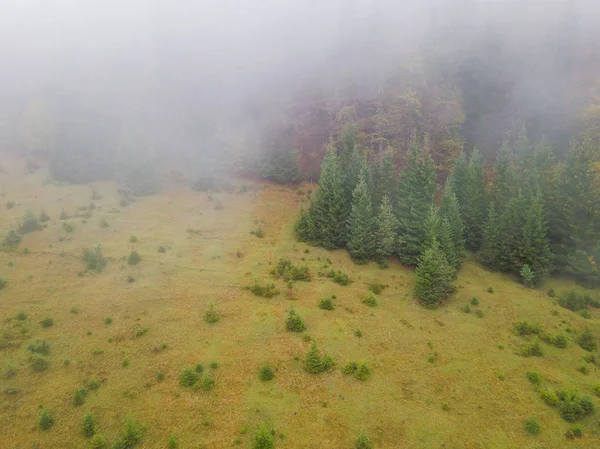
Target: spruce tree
{"x":385,"y":236}
{"x":384,"y":179}
{"x":450,"y":210}
{"x":491,"y":245}
{"x":476,"y":206}
{"x":431,"y":227}
{"x":447,"y":244}
{"x":361,"y":224}
{"x":304,"y":227}
{"x":458,"y":182}
{"x":416,"y":190}
{"x":433,"y":276}
{"x":513,"y":241}
{"x":504,"y":183}
{"x":537,"y":254}
{"x":328,"y":211}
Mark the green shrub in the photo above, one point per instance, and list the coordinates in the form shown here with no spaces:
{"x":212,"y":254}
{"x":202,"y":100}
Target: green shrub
{"x":294,"y":322}
{"x":162,"y":249}
{"x":134,"y":257}
{"x":38,"y":363}
{"x":370,"y":300}
{"x":199,"y":368}
{"x":258,"y":232}
{"x":534,"y":377}
{"x":550,"y":397}
{"x":11,"y":240}
{"x":188,"y":377}
{"x":47,"y":322}
{"x":358,"y":333}
{"x":21,"y":316}
{"x":43,"y":218}
{"x":79,"y":396}
{"x":376,"y":288}
{"x":290,"y":272}
{"x":263,"y":438}
{"x":46,"y":420}
{"x":573,"y":300}
{"x":572,"y":407}
{"x":131,"y":435}
{"x":573,"y":433}
{"x":265,"y":291}
{"x":339,"y":277}
{"x":531,"y":349}
{"x":479,"y":313}
{"x":466,"y":308}
{"x":363,"y":442}
{"x":326,"y":304}
{"x":40,"y":347}
{"x":526,"y":328}
{"x":532,"y":426}
{"x":363,"y":372}
{"x":475,"y":301}
{"x":93,"y":383}
{"x":314,"y":363}
{"x":133,"y":238}
{"x":172,"y":443}
{"x":29,"y":223}
{"x":212,"y":316}
{"x":94,"y":258}
{"x":585,"y":314}
{"x":98,"y":442}
{"x":596,"y":389}
{"x":266,"y":372}
{"x":558,"y":340}
{"x":551,"y":293}
{"x":108,"y":320}
{"x":587,"y":341}
{"x":214,"y":365}
{"x":583,"y":369}
{"x":89,"y":426}
{"x":350,"y":368}
{"x":207,"y":381}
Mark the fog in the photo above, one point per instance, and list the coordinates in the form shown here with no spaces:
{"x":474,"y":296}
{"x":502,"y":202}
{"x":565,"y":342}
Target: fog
{"x":192,"y":78}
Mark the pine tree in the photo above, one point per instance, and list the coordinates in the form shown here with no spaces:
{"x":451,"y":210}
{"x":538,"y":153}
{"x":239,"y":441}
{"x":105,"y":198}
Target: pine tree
{"x":431,"y":227}
{"x":447,"y":244}
{"x":476,"y":206}
{"x":313,"y":363}
{"x":450,"y":210}
{"x":433,"y":277}
{"x":491,"y":246}
{"x":512,"y":238}
{"x":361,"y":224}
{"x":384,"y":179}
{"x":328,"y":211}
{"x":458,"y":182}
{"x":416,"y":190}
{"x":537,"y":254}
{"x":89,"y":427}
{"x":304,"y":227}
{"x":504,"y":184}
{"x":385,"y":236}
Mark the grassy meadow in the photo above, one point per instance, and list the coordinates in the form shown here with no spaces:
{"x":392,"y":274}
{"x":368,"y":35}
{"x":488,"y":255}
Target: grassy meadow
{"x":445,"y":378}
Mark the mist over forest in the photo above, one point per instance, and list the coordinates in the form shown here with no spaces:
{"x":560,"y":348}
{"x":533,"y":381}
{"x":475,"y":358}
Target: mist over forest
{"x":247,"y":86}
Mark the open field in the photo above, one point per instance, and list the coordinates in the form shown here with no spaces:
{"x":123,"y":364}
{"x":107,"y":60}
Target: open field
{"x":439,"y":378}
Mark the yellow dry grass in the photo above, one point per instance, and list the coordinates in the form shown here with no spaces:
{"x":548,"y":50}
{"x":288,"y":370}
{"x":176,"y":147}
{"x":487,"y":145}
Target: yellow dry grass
{"x":400,"y":406}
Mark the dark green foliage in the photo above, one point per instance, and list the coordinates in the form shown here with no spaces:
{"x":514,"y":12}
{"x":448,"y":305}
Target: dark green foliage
{"x":474,"y":209}
{"x":172,"y":443}
{"x":47,"y":322}
{"x":370,"y":300}
{"x":294,"y":322}
{"x":339,"y":277}
{"x":386,"y":239}
{"x":94,"y":258}
{"x":304,"y":228}
{"x":46,"y":420}
{"x":363,"y":442}
{"x":558,"y":340}
{"x":11,"y":240}
{"x":98,"y":442}
{"x":475,"y":301}
{"x":263,"y":438}
{"x":573,"y":300}
{"x":288,"y":271}
{"x":360,"y":371}
{"x":93,"y":383}
{"x":550,"y":397}
{"x":361,"y":223}
{"x":89,"y":426}
{"x":350,"y":368}
{"x":279,"y":165}
{"x":258,"y":232}
{"x":526,"y":328}
{"x":571,"y":406}
{"x":415,"y":195}
{"x":534,"y":377}
{"x":532,"y":426}
{"x":384,"y":180}
{"x":162,"y":249}
{"x":573,"y":433}
{"x":43,"y":218}
{"x":433,"y":277}
{"x":207,"y":381}
{"x":199,"y":368}
{"x":449,"y":210}
{"x":39,"y":347}
{"x":326,"y":304}
{"x":29,"y":223}
{"x":38,"y":363}
{"x":2,"y":283}
{"x":132,"y":435}
{"x":587,"y":341}
{"x":265,"y":291}
{"x":266,"y":372}
{"x":376,"y":288}
{"x":504,"y":182}
{"x":21,"y":316}
{"x":134,"y":258}
{"x":314,"y":363}
{"x":79,"y":396}
{"x":531,"y":349}
{"x":211,"y":315}
{"x":188,"y":377}
{"x":68,"y":227}
{"x":108,"y":320}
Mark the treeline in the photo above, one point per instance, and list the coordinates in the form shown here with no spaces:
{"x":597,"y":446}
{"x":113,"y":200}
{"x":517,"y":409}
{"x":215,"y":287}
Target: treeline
{"x":527,"y":214}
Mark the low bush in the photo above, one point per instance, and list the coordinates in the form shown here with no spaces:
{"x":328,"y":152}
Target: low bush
{"x":326,"y":304}
{"x":532,"y":426}
{"x":474,"y":301}
{"x":11,"y":240}
{"x":211,"y":316}
{"x":21,"y":316}
{"x":363,"y":442}
{"x":376,"y":288}
{"x":265,"y":291}
{"x":162,"y":249}
{"x":47,"y":322}
{"x":93,"y":383}
{"x":207,"y":381}
{"x":534,"y":377}
{"x":131,"y":435}
{"x":531,"y":349}
{"x":266,"y":372}
{"x":558,"y":340}
{"x":94,"y":258}
{"x":44,"y":217}
{"x":2,"y":283}
{"x":39,"y":347}
{"x":258,"y":232}
{"x":133,"y":238}
{"x":294,"y":322}
{"x":339,"y":277}
{"x":68,"y":227}
{"x":587,"y":341}
{"x":29,"y":223}
{"x":286,"y":270}
{"x":79,"y":396}
{"x":360,"y":371}
{"x":46,"y":420}
{"x":188,"y":377}
{"x":134,"y":257}
{"x":573,"y":433}
{"x":573,"y":300}
{"x":263,"y":438}
{"x":89,"y":426}
{"x":370,"y":300}
{"x":526,"y":328}
{"x":314,"y":363}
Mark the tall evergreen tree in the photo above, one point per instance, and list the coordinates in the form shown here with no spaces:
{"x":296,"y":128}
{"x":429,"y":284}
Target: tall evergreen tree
{"x":475,"y":209}
{"x":505,"y":182}
{"x":450,"y":210}
{"x":433,"y":276}
{"x":328,"y":211}
{"x":491,"y":245}
{"x":385,"y":236}
{"x":537,"y":253}
{"x":513,"y":241}
{"x":416,"y":191}
{"x":431,"y":227}
{"x":384,"y":179}
{"x":458,"y":182}
{"x":304,"y":227}
{"x":447,"y":244}
{"x":361,"y":225}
